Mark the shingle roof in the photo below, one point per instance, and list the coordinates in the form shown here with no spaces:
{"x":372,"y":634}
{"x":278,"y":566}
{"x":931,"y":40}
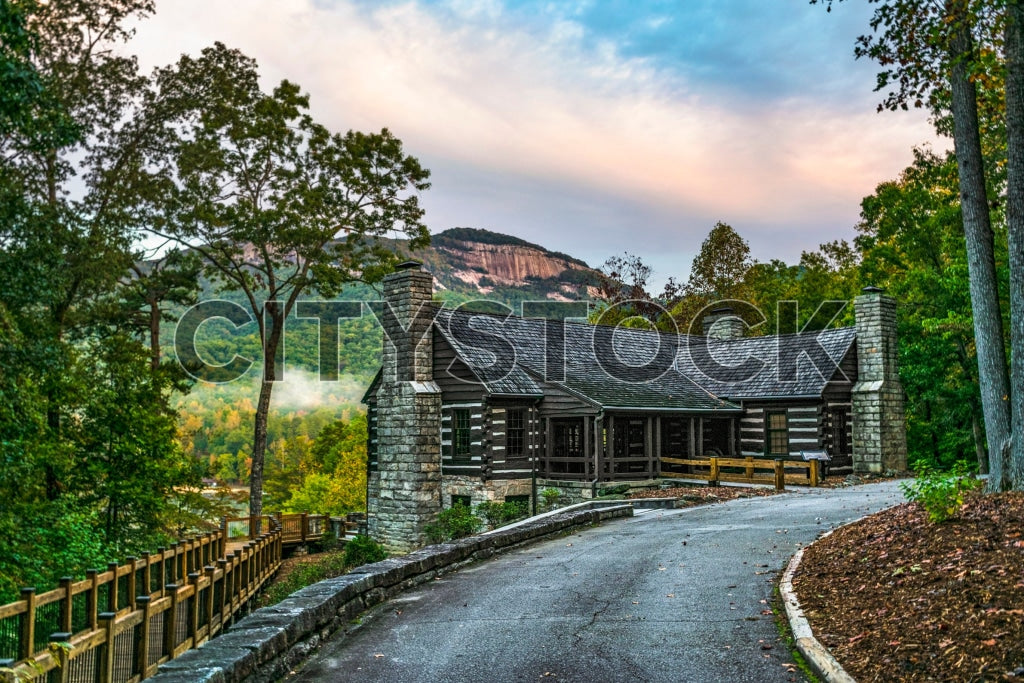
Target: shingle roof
{"x":620,"y":367}
{"x":788,"y":365}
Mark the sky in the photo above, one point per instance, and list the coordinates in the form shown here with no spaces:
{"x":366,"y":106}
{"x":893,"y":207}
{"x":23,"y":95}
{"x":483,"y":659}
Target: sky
{"x":591,"y":127}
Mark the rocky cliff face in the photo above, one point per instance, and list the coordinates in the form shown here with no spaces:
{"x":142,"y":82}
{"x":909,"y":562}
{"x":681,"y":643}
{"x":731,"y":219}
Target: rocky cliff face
{"x":504,"y":264}
{"x":484,"y":262}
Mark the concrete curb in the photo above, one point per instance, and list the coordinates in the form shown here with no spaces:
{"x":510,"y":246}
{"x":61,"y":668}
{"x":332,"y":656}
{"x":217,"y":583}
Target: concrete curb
{"x":817,"y":655}
{"x":271,"y":641}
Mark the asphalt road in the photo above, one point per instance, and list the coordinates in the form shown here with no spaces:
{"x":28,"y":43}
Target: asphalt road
{"x":668,"y":595}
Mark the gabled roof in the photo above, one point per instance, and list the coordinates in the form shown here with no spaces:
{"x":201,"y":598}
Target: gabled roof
{"x":612,"y":366}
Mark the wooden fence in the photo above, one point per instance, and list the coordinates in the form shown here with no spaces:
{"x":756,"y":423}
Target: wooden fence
{"x":119,"y":625}
{"x":715,"y":470}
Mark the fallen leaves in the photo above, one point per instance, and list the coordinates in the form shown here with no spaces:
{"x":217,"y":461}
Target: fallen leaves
{"x":899,"y":599}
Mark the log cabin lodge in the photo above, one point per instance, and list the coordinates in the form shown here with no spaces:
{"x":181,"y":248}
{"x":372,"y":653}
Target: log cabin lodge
{"x":471,"y":407}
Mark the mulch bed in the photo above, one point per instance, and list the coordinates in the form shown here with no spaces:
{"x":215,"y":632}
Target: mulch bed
{"x":703,"y":495}
{"x":897,"y":598}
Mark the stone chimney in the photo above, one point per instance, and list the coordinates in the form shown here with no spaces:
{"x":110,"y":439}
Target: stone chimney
{"x":404,"y":494}
{"x":723,"y":323}
{"x":879,"y":430}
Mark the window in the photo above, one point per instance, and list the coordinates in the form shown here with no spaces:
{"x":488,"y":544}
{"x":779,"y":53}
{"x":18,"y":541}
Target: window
{"x":840,"y":435}
{"x":568,"y":438}
{"x":630,"y":437}
{"x":776,"y":438}
{"x":460,"y":433}
{"x":465,"y":501}
{"x":515,"y":432}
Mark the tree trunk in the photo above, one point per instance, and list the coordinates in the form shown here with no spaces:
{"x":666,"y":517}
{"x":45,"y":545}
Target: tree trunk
{"x":1015,"y":225}
{"x":259,"y":440}
{"x":988,"y":323}
{"x":154,"y":334}
{"x":979,"y":443}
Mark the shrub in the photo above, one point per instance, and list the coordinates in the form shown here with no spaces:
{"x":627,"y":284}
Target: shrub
{"x":457,"y":521}
{"x":363,"y":550}
{"x":941,"y":494}
{"x":550,"y":496}
{"x":497,"y":514}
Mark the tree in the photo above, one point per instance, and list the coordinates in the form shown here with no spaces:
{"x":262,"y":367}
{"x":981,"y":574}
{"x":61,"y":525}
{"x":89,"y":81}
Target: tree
{"x":276,"y":205}
{"x":623,"y":285}
{"x":172,"y":278}
{"x":1015,"y":225}
{"x":718,"y":273}
{"x":911,"y":238}
{"x":929,"y":57}
{"x":86,"y":431}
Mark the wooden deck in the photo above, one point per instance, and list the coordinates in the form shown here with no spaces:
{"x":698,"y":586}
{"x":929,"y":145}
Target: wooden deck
{"x":122,"y":623}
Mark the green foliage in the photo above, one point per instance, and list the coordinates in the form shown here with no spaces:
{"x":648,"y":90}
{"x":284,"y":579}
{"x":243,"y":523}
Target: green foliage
{"x":322,"y":567}
{"x":457,"y":521}
{"x":363,"y":550}
{"x":358,"y":551}
{"x":498,"y":514}
{"x":550,"y":497}
{"x":46,"y":541}
{"x":911,"y":238}
{"x":942,"y":494}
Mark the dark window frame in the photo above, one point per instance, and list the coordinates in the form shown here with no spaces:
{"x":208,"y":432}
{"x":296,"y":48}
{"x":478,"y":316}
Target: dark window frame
{"x":775,"y":435}
{"x":515,"y":432}
{"x":567,"y":438}
{"x":840,"y":434}
{"x":462,"y":427}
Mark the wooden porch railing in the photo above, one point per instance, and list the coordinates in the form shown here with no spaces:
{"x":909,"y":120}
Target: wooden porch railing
{"x":122,"y":623}
{"x":711,"y":470}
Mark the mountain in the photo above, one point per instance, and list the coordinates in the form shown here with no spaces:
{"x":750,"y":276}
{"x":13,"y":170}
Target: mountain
{"x":470,"y":262}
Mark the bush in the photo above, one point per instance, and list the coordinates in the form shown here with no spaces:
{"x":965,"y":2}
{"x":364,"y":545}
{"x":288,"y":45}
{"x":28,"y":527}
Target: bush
{"x":498,"y":514}
{"x":363,"y":550}
{"x":941,"y":494}
{"x":550,"y":496}
{"x":457,"y":521}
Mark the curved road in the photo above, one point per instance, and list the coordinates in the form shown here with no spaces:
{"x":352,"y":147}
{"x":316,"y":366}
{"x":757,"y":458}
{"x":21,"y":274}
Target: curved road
{"x":668,"y":595}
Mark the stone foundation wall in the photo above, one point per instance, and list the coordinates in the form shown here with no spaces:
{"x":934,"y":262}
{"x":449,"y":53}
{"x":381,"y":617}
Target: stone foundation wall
{"x":494,"y":490}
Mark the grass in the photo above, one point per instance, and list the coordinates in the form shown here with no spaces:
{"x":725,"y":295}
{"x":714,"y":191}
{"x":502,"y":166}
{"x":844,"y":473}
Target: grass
{"x":786,"y":635}
{"x":324,"y":566}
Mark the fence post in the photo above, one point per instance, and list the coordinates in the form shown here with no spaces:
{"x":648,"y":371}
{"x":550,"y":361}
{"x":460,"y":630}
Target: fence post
{"x":28,"y":624}
{"x":193,"y":612}
{"x":147,"y":572}
{"x":63,"y":658}
{"x":225,"y":598}
{"x":750,"y":467}
{"x":142,"y":636}
{"x":713,"y":474}
{"x":814,"y":473}
{"x":92,"y":598}
{"x":112,"y":592}
{"x":106,"y":662}
{"x":132,"y":581}
{"x":304,"y":524}
{"x":66,"y":604}
{"x":161,"y":574}
{"x":253,"y":525}
{"x":780,"y":476}
{"x":171,"y":621}
{"x":209,"y":600}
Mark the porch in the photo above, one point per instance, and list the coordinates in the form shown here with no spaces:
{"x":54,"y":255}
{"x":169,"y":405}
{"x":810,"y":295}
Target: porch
{"x":629,"y":446}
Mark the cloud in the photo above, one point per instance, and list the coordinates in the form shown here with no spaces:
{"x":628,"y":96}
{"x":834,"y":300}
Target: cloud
{"x":553,"y":100}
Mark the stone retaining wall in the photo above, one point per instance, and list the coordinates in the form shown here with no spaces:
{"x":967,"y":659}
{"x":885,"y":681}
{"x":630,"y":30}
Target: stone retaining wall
{"x":272,"y":641}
